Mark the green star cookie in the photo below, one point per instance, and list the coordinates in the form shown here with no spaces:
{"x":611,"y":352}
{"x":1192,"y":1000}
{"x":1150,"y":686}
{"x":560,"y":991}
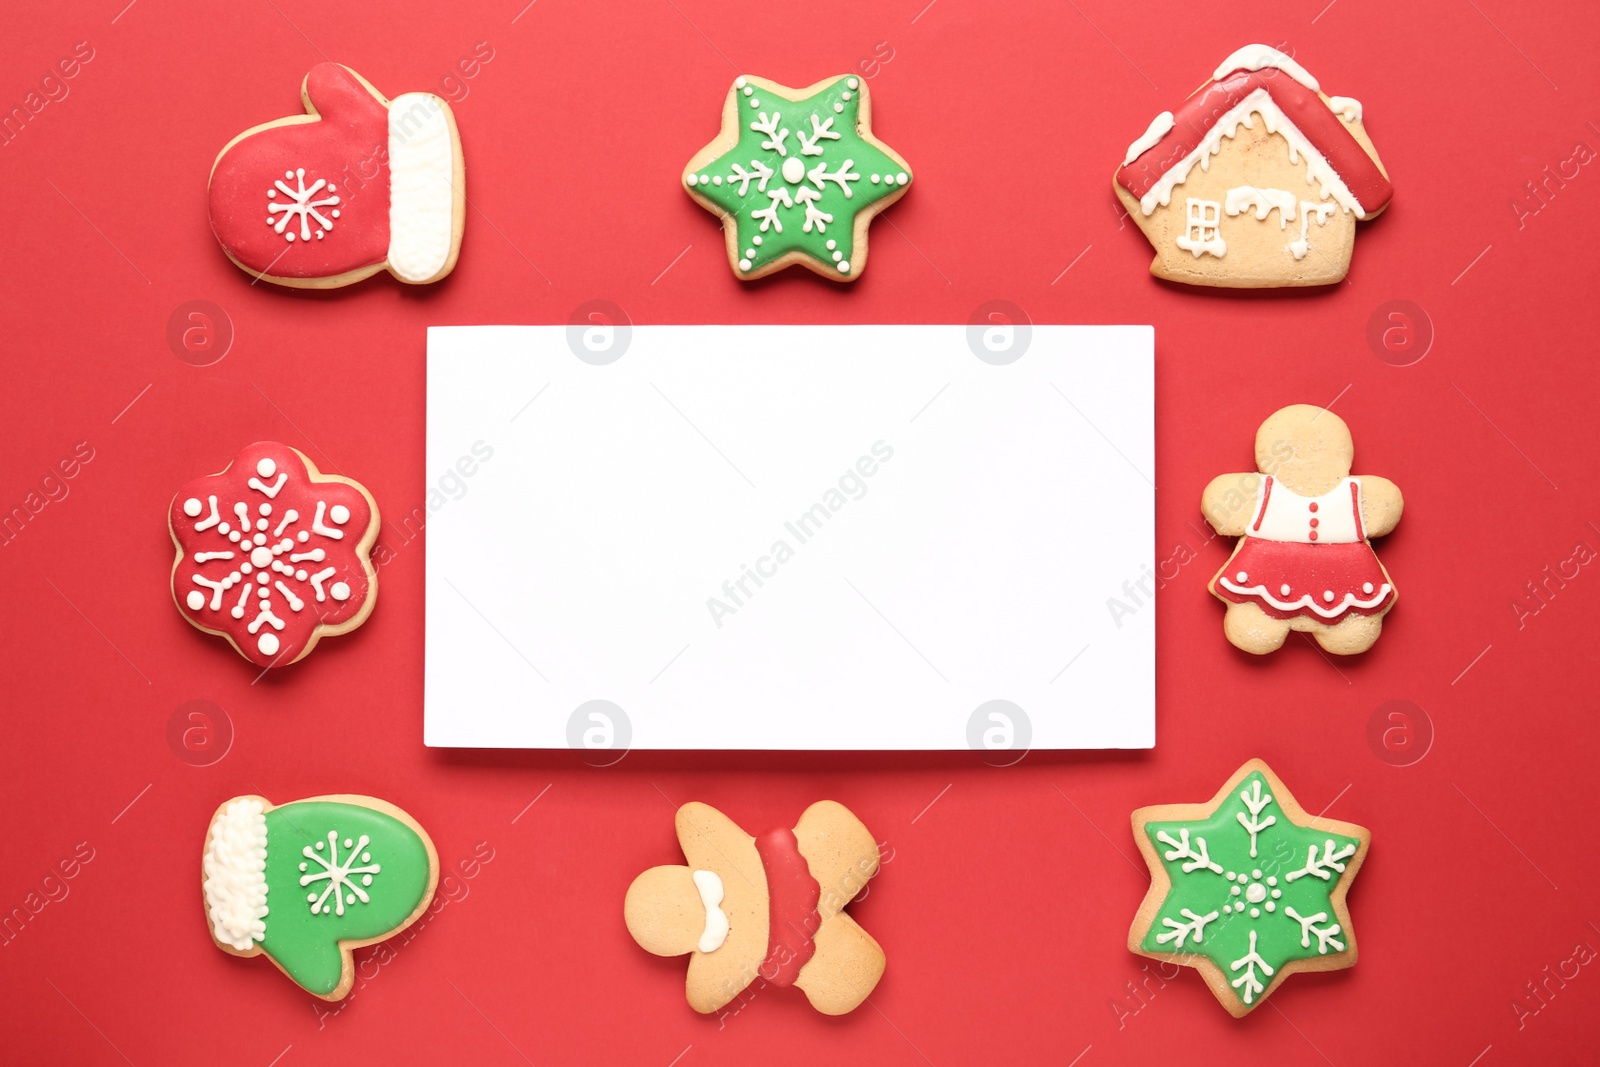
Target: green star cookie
{"x":797,"y":176}
{"x":1247,"y":888}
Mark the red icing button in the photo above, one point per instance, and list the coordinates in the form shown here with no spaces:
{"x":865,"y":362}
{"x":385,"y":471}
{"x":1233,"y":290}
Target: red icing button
{"x":1313,"y":535}
{"x":1314,"y":523}
{"x":1313,"y":505}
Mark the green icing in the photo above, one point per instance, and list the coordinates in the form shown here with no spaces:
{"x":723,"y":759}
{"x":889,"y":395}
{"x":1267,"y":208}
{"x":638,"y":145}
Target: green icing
{"x":394,"y":857}
{"x":799,"y":175}
{"x":1224,"y":879}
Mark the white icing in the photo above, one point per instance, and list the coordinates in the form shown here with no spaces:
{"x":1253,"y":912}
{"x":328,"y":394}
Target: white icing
{"x":212,"y":520}
{"x":1255,"y":800}
{"x":317,"y":525}
{"x":422,"y":185}
{"x":302,"y":208}
{"x":1330,"y":860}
{"x":772,"y":127}
{"x":196,"y":600}
{"x":1204,"y":229}
{"x":235,"y":867}
{"x":339,"y":514}
{"x":716,"y":931}
{"x":191,"y":507}
{"x":295,"y":603}
{"x":1159,"y":127}
{"x":821,"y":130}
{"x":339,"y":591}
{"x":1348,"y":106}
{"x":1326,"y":935}
{"x":1258,"y":56}
{"x":341,"y":886}
{"x":1180,"y":931}
{"x":1242,"y":198}
{"x":1307,"y":210}
{"x":1259,"y":102}
{"x":1250,"y":982}
{"x":794,"y":171}
{"x":320,"y":577}
{"x":260,"y":486}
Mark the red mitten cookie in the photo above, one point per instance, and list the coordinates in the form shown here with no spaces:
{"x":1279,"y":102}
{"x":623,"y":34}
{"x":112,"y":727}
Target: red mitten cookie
{"x":273,"y":555}
{"x":354,"y":186}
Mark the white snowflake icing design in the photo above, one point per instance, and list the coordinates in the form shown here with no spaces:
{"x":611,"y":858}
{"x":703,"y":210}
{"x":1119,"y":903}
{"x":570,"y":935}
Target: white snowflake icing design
{"x":342,"y":878}
{"x":257,"y":546}
{"x":303,"y":206}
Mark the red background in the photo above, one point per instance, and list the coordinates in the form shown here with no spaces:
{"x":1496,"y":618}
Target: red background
{"x":1004,"y":906}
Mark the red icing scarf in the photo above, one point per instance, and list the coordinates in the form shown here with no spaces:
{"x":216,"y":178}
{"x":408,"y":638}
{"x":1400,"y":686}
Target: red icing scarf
{"x":792,"y":907}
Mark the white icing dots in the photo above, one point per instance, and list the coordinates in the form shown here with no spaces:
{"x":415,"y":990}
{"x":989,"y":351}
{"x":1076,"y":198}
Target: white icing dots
{"x":339,"y":514}
{"x":755,"y":102}
{"x":268,"y":644}
{"x":744,"y":264}
{"x":902,"y":177}
{"x":832,"y":244}
{"x":693,"y":180}
{"x":196,"y":600}
{"x":838,"y":108}
{"x":1366,"y":587}
{"x":756,"y":240}
{"x":749,"y":253}
{"x":704,"y":180}
{"x":793,"y":170}
{"x":854,"y":83}
{"x":877,"y":179}
{"x":844,"y":96}
{"x":837,"y":256}
{"x":339,"y":591}
{"x":1241,"y":577}
{"x":191,"y":507}
{"x":844,"y":266}
{"x":716,"y":179}
{"x":303,"y":536}
{"x":1327,"y":596}
{"x":1283,"y":590}
{"x":265,"y":509}
{"x":266,"y":468}
{"x":740,"y":82}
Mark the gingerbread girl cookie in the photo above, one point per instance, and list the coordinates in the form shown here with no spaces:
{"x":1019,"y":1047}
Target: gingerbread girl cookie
{"x":1303,"y":561}
{"x":356,"y":185}
{"x":273,"y":554}
{"x":306,"y":882}
{"x":767,"y":908}
{"x":1248,"y":888}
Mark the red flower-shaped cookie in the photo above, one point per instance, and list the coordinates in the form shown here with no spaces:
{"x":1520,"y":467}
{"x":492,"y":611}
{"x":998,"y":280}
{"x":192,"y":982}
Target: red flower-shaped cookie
{"x":273,"y":555}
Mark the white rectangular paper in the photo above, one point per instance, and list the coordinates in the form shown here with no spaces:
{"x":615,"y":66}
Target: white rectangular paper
{"x":789,"y":537}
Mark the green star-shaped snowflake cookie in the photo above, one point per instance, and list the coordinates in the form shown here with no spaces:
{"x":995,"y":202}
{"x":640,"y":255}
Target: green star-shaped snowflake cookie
{"x":797,"y":176}
{"x":1247,"y":888}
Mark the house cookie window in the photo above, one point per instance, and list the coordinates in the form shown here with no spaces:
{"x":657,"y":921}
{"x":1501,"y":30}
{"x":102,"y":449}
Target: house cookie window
{"x":1202,"y":233}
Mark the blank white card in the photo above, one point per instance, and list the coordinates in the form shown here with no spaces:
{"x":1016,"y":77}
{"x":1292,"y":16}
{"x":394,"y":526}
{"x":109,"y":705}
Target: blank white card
{"x":790,"y":537}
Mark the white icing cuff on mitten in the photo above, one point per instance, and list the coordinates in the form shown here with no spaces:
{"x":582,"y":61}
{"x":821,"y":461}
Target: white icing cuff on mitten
{"x":422,"y":182}
{"x":235,"y":869}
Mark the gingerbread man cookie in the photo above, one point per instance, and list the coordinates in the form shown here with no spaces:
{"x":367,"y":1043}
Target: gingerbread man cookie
{"x":273,"y":554}
{"x":1308,"y":159}
{"x":1247,"y":888}
{"x":356,"y":185}
{"x":767,"y":908}
{"x":796,"y":176}
{"x":1303,"y":561}
{"x":304,"y":883}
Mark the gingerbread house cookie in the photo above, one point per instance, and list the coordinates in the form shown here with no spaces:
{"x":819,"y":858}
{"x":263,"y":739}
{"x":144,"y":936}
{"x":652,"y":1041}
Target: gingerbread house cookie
{"x":1257,"y":180}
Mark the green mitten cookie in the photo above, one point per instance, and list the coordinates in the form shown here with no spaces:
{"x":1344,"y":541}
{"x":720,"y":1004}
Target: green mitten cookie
{"x":310,"y":880}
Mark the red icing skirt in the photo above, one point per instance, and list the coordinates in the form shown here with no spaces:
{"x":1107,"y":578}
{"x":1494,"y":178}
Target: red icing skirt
{"x":1325,"y":582}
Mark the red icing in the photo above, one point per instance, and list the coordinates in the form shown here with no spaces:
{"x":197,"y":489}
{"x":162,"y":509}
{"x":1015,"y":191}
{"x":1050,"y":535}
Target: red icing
{"x":1355,"y":506}
{"x":1195,"y":117}
{"x":346,"y":557}
{"x":347,"y":146}
{"x":792,"y":894}
{"x":1306,"y":569}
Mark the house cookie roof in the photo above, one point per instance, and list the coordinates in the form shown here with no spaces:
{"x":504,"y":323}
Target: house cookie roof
{"x":1256,"y":81}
